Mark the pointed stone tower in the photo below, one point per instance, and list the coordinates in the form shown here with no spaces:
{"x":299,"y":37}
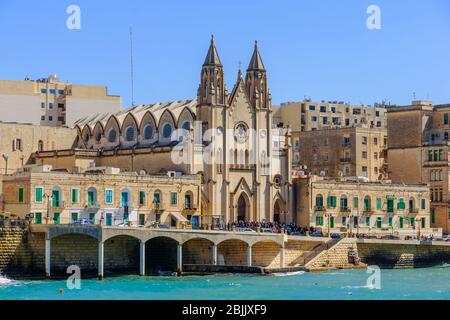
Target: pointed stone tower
{"x":256,"y":81}
{"x":212,"y":88}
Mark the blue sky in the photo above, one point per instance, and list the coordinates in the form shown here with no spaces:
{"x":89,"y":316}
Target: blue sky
{"x":319,"y":49}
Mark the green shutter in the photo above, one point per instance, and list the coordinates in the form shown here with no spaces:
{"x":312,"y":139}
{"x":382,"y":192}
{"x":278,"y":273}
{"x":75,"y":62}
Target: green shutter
{"x":74,"y":216}
{"x":20,"y":195}
{"x":355,"y":202}
{"x":424,"y":204}
{"x":141,"y":197}
{"x":390,"y":221}
{"x":328,"y":202}
{"x":74,"y":195}
{"x":401,"y":222}
{"x":379,"y":204}
{"x":38,"y":192}
{"x":432,"y":216}
{"x":331,"y":222}
{"x":367,"y":221}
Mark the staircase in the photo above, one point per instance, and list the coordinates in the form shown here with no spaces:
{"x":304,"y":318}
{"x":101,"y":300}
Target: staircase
{"x":335,"y":257}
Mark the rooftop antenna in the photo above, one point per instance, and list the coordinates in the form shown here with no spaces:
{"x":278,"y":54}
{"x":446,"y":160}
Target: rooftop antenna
{"x":132,"y":66}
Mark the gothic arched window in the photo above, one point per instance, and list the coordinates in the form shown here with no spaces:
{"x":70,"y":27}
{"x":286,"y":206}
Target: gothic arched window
{"x":167,"y":130}
{"x":129,"y":134}
{"x":112,"y":136}
{"x":148,"y":132}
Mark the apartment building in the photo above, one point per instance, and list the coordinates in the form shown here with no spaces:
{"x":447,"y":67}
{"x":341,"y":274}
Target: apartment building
{"x":419,"y":152}
{"x":342,"y":152}
{"x":340,"y":206}
{"x":103,"y":196}
{"x":19,"y":141}
{"x":50,"y":102}
{"x":308,"y":115}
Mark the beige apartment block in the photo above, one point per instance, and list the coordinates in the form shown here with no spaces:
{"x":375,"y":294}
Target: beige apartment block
{"x":103,"y":196}
{"x":50,"y":102}
{"x":339,"y":206}
{"x":419,"y":152}
{"x":229,"y":138}
{"x":308,"y":115}
{"x":342,"y":152}
{"x":19,"y":141}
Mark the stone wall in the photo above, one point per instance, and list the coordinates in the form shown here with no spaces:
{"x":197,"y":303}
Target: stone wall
{"x":232,"y":252}
{"x":21,"y":253}
{"x":403,"y":255}
{"x":197,"y":251}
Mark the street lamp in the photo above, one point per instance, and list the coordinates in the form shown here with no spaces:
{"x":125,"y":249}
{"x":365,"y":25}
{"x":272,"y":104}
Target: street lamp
{"x":49,"y":198}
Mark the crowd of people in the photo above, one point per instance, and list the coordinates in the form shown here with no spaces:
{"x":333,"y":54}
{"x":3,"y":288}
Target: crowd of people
{"x":275,"y":227}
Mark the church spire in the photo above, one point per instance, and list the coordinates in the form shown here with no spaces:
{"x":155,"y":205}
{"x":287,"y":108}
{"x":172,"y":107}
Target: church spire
{"x":256,"y":82}
{"x":212,"y":87}
{"x":256,"y":61}
{"x":212,"y":57}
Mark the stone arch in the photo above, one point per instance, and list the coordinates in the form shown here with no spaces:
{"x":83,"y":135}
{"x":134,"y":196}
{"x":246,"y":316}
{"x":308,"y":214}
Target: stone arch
{"x":243,"y":207}
{"x":113,"y":124}
{"x":121,"y":254}
{"x":148,"y":120}
{"x":167,"y":118}
{"x":63,"y":254}
{"x":232,"y":252}
{"x":266,"y":253}
{"x":161,"y":254}
{"x":186,"y":115}
{"x":130,"y":124}
{"x":197,"y":251}
{"x":277,"y":210}
{"x":86,"y":134}
{"x":98,"y":133}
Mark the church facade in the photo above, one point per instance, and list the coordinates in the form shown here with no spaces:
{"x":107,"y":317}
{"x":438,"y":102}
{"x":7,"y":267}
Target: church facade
{"x":228,"y":138}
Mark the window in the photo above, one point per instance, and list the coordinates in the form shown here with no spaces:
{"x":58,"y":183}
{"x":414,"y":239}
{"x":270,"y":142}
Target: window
{"x":364,"y":140}
{"x":38,"y":218}
{"x":432,"y":216}
{"x":38,"y":194}
{"x":344,"y":221}
{"x":61,"y":119}
{"x":43,"y":105}
{"x":445,"y":118}
{"x":112,"y":136}
{"x":43,"y":90}
{"x":325,"y":120}
{"x":319,"y":201}
{"x":52,"y":91}
{"x":367,"y":205}
{"x":50,"y":105}
{"x":390,"y":222}
{"x":424,"y":204}
{"x":319,"y":220}
{"x":40,"y":145}
{"x":167,"y":130}
{"x":331,"y":202}
{"x":401,"y":204}
{"x":141,"y":197}
{"x":17,"y":144}
{"x":355,"y":222}
{"x":375,"y":155}
{"x":129,"y":135}
{"x":344,"y":203}
{"x":186,"y":126}
{"x":379,"y":223}
{"x":312,"y":108}
{"x":43,"y":118}
{"x":314,"y":119}
{"x":108,"y":196}
{"x":367,"y":221}
{"x":148,"y":132}
{"x":355,"y":202}
{"x":75,"y":195}
{"x":20,"y":195}
{"x":60,"y":91}
{"x":173,"y":198}
{"x":157,"y":198}
{"x":50,"y":118}
{"x":347,"y":122}
{"x":379,"y":204}
{"x":333,"y":110}
{"x":430,"y":155}
{"x":441,"y":155}
{"x":74,"y":217}
{"x":377,"y":113}
{"x":364,"y":171}
{"x":323,"y":109}
{"x":364,"y":155}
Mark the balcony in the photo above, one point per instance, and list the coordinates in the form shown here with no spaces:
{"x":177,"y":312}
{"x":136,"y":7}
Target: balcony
{"x":346,"y":160}
{"x":93,"y":205}
{"x":346,"y":145}
{"x":368,"y":212}
{"x":319,"y":209}
{"x":58,"y":205}
{"x":189,"y":208}
{"x":158,"y":207}
{"x":345,"y":210}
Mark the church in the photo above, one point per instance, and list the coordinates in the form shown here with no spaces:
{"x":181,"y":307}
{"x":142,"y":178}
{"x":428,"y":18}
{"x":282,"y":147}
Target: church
{"x":228,"y":138}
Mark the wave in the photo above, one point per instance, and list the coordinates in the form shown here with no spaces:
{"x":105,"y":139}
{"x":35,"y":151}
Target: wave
{"x":5,"y":281}
{"x":288,"y":274}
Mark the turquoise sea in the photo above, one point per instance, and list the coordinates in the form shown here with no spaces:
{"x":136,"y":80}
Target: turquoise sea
{"x":430,"y":283}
